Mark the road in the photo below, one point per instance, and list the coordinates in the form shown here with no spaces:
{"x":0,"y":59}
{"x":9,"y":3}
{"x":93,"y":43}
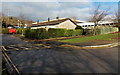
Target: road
{"x":47,"y":59}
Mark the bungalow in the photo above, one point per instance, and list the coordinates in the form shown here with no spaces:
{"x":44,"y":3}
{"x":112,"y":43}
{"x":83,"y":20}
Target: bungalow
{"x":66,"y":23}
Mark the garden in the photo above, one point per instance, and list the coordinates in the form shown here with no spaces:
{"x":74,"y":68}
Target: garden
{"x":102,"y":33}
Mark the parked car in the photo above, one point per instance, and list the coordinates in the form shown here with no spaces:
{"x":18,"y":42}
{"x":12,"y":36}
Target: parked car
{"x":12,"y":31}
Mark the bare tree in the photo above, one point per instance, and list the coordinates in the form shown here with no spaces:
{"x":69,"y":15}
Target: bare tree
{"x":74,"y":17}
{"x":22,"y":19}
{"x":3,"y":19}
{"x":98,"y":15}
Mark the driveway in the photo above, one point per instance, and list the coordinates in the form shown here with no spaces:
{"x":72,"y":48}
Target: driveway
{"x":48,"y":59}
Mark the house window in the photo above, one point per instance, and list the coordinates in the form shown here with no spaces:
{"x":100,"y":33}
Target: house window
{"x":111,"y":24}
{"x":103,"y":24}
{"x":107,"y":24}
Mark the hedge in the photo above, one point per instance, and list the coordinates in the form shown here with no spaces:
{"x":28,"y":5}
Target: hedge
{"x":30,"y":33}
{"x":72,"y":32}
{"x":5,"y":31}
{"x":87,"y":32}
{"x":57,"y":32}
{"x":42,"y":33}
{"x":21,"y":30}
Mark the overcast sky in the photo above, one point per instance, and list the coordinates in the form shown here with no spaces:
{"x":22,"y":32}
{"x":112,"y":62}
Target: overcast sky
{"x":42,"y":10}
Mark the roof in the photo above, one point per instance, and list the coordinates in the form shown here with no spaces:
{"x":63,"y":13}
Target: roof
{"x":52,"y":22}
{"x":78,"y":21}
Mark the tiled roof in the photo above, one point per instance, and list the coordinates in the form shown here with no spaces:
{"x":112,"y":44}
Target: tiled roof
{"x":53,"y":22}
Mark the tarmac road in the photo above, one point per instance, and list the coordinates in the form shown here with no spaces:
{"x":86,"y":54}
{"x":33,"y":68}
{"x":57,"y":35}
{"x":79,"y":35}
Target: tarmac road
{"x":62,"y":60}
{"x":8,"y":39}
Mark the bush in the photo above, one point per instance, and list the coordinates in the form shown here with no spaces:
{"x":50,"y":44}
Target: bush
{"x":72,"y":32}
{"x":69,"y":32}
{"x":57,"y":32}
{"x":88,"y":32}
{"x":30,"y":33}
{"x":40,"y":33}
{"x":27,"y":33}
{"x":64,"y":32}
{"x":20,"y":30}
{"x":78,"y":32}
{"x":5,"y":31}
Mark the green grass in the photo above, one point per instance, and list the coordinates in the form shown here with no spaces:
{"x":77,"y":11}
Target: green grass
{"x":92,"y":38}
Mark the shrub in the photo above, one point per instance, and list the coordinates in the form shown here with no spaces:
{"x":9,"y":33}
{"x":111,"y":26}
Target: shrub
{"x":57,"y":32}
{"x":40,"y":33}
{"x":88,"y":32}
{"x":97,"y":31}
{"x":32,"y":34}
{"x":5,"y":31}
{"x":72,"y":32}
{"x":20,"y":30}
{"x":78,"y":32}
{"x":27,"y":33}
{"x":69,"y":32}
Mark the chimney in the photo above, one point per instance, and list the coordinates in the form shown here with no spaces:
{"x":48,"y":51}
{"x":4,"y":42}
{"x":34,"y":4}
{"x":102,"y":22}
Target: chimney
{"x":57,"y":17}
{"x":37,"y":21}
{"x":48,"y":19}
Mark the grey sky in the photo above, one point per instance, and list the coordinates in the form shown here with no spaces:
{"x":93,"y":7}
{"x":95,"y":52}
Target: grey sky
{"x":43,"y":10}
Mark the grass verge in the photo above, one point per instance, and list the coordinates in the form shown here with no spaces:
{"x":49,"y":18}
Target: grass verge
{"x":92,"y":38}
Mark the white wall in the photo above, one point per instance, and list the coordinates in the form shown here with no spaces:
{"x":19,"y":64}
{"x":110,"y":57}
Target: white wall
{"x":67,"y":25}
{"x":43,"y":27}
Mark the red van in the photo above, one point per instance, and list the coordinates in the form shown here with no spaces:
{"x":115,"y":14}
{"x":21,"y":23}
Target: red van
{"x":13,"y":31}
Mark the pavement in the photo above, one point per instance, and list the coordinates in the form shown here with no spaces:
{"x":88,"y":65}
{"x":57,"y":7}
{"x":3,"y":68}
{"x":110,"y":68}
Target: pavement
{"x":55,"y":57}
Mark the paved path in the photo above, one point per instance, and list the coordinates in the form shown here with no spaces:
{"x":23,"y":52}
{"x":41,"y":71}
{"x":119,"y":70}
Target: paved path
{"x":41,"y":59}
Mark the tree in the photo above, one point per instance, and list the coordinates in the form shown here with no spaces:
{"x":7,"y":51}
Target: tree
{"x":74,"y":17}
{"x":3,"y":19}
{"x":22,"y":19}
{"x":98,"y":15}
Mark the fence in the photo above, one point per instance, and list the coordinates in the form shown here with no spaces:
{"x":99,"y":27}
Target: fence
{"x":101,"y":30}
